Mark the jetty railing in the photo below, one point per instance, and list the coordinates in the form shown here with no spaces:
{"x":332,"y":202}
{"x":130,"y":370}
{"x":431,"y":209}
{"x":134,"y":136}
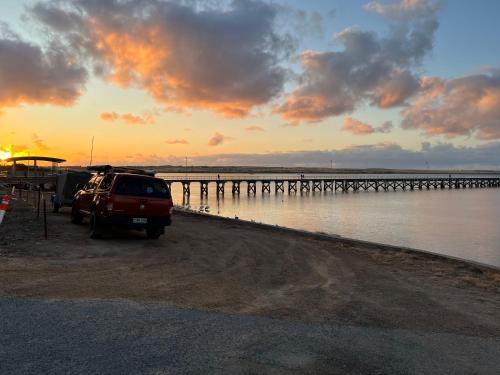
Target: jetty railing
{"x":343,"y":183}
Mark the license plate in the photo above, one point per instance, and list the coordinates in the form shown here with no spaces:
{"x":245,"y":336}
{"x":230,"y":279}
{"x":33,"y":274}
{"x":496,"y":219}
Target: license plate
{"x":139,"y":220}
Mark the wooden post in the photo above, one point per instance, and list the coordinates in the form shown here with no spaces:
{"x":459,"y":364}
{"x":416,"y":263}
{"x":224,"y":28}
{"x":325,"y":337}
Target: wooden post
{"x":38,"y":203}
{"x":45,"y":218}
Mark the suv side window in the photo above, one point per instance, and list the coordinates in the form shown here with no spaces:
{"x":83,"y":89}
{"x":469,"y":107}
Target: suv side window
{"x":89,"y":184}
{"x":93,"y":183}
{"x":97,"y":181}
{"x":106,"y":182}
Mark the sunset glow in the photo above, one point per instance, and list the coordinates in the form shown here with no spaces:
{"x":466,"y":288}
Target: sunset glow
{"x":4,"y":155}
{"x":9,"y":151}
{"x":158,"y":83}
{"x":250,"y":186}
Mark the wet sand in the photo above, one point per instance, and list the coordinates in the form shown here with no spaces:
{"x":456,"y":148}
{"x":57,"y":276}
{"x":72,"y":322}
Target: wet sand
{"x":224,"y":265}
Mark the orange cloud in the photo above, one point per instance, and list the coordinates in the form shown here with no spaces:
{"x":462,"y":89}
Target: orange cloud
{"x":404,"y":9}
{"x":220,"y":59}
{"x":395,"y":90}
{"x":360,"y":128}
{"x":457,"y":107}
{"x":254,"y":128}
{"x":137,"y":120}
{"x":177,"y":142}
{"x":377,"y":68}
{"x":357,"y":127}
{"x":109,"y":116}
{"x":129,"y":118}
{"x":218,"y":139}
{"x":31,"y":75}
{"x":311,"y":108}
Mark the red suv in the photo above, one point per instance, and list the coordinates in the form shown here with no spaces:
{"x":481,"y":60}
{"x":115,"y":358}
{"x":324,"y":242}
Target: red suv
{"x":123,"y":197}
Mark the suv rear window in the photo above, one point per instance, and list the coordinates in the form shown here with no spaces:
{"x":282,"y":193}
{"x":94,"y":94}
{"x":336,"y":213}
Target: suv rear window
{"x":142,"y":187}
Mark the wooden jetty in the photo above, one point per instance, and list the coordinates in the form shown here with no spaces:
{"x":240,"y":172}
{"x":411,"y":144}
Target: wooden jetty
{"x":330,"y":183}
{"x":290,"y":185}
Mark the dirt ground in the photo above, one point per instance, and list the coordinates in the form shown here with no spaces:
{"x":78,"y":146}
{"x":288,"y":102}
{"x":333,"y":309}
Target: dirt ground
{"x":225,"y":265}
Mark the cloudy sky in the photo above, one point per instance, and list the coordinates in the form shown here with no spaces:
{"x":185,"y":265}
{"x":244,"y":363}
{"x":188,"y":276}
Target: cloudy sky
{"x":388,"y":83}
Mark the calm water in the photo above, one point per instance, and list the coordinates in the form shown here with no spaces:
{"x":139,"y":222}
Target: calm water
{"x":463,"y":223}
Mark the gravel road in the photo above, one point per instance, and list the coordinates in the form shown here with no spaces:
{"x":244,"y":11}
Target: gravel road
{"x":119,"y":337}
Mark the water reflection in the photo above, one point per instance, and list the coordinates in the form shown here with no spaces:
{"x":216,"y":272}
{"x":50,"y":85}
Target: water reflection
{"x":462,"y":223}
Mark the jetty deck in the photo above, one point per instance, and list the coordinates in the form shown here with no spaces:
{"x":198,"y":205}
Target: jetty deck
{"x":329,"y":183}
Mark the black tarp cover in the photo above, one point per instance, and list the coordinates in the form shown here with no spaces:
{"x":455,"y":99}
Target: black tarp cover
{"x":67,"y":184}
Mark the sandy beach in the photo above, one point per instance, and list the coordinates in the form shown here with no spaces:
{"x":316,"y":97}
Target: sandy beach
{"x":225,"y":265}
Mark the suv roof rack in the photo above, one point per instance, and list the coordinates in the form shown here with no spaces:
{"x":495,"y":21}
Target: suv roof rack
{"x":103,"y":169}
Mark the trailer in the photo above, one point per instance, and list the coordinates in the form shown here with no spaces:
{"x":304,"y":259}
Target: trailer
{"x":67,"y":184}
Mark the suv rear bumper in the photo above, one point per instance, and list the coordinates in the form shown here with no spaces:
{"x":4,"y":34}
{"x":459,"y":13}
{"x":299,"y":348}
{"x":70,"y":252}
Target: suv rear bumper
{"x":127,"y":221}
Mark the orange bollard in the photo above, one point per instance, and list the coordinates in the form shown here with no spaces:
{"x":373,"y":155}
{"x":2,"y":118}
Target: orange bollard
{"x":3,"y":207}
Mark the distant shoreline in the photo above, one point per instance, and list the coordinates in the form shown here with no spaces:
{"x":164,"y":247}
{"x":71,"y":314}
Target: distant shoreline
{"x":296,"y":170}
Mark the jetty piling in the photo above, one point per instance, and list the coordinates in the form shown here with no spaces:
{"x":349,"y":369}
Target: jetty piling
{"x":279,"y":186}
{"x":186,"y":188}
{"x":236,"y":188}
{"x":332,"y":183}
{"x":251,"y":187}
{"x":266,"y":187}
{"x":220,"y":187}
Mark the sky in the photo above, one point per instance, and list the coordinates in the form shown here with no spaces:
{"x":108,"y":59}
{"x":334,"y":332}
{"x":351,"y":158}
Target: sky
{"x":356,"y":83}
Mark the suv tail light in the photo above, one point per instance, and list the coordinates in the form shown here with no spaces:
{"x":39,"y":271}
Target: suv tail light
{"x":109,"y":202}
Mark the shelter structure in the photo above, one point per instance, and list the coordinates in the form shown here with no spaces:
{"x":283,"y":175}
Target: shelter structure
{"x":33,"y":170}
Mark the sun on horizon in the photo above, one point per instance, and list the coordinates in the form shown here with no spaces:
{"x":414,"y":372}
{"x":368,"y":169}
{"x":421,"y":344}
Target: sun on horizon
{"x":5,"y":155}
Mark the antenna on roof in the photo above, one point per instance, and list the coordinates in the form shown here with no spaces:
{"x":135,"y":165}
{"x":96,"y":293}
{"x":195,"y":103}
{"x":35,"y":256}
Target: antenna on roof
{"x":91,"y":151}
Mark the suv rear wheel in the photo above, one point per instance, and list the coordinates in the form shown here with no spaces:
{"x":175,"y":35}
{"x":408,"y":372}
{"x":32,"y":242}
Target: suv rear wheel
{"x":96,"y":228}
{"x":154,"y":232}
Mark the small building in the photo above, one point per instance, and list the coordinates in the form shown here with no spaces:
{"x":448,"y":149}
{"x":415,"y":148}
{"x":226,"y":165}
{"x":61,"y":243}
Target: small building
{"x":29,"y":166}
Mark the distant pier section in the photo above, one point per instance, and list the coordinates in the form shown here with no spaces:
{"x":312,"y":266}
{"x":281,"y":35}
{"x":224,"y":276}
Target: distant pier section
{"x":266,"y":184}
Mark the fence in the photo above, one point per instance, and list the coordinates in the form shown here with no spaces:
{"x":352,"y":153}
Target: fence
{"x":34,"y":196}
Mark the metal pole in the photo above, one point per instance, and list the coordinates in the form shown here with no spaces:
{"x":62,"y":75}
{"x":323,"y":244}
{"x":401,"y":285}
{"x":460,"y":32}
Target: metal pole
{"x":92,"y":151}
{"x":45,"y":218}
